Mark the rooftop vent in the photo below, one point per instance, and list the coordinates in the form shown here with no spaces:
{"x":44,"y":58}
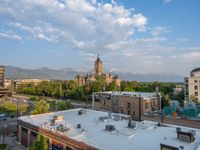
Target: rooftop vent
{"x":78,"y":126}
{"x":117,"y":117}
{"x":178,"y":129}
{"x":81,"y":112}
{"x":131,"y":124}
{"x":103,"y":118}
{"x":109,"y":115}
{"x":110,"y":128}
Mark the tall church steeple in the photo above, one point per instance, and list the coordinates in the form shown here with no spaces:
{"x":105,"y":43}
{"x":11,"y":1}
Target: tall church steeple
{"x":98,"y":66}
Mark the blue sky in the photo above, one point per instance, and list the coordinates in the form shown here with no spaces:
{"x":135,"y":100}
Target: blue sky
{"x":145,"y":36}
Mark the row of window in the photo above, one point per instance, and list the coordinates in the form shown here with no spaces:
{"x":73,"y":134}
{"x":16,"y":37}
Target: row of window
{"x":196,"y":87}
{"x":196,"y":81}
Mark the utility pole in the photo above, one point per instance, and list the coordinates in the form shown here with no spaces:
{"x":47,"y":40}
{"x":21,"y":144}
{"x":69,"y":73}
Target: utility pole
{"x":17,"y":108}
{"x":140,"y":119}
{"x":60,"y":90}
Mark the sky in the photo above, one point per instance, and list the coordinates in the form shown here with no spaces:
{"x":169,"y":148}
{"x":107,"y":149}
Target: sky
{"x":138,"y":36}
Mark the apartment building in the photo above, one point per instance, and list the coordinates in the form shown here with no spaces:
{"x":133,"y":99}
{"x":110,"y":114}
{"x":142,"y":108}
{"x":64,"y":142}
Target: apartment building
{"x":192,"y":85}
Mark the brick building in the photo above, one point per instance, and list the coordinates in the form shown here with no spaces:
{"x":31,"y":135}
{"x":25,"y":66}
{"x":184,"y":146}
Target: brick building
{"x":130,"y":103}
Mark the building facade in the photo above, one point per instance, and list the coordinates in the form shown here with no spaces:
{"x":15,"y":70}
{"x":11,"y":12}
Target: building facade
{"x":192,"y":85}
{"x":129,"y":103}
{"x":3,"y":91}
{"x":98,"y":73}
{"x":1,"y":76}
{"x":27,"y":134}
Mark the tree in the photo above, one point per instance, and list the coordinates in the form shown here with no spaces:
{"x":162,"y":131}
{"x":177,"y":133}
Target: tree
{"x":194,"y":98}
{"x":23,"y":108}
{"x":42,"y":106}
{"x":40,"y":144}
{"x":33,"y":146}
{"x":112,"y":87}
{"x":64,"y":105}
{"x":165,"y":100}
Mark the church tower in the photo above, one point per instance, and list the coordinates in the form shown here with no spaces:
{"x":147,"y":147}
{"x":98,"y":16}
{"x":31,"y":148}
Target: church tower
{"x":98,"y":66}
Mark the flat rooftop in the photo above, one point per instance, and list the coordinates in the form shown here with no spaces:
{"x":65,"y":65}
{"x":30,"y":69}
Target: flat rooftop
{"x":145,"y":95}
{"x":145,"y":135}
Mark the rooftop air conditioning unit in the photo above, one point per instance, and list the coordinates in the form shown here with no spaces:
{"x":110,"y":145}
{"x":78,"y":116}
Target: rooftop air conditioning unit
{"x":60,"y":128}
{"x":58,"y":118}
{"x":52,"y":122}
{"x":81,"y":112}
{"x":110,"y":128}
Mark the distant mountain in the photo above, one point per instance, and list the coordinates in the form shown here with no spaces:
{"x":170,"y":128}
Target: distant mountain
{"x":69,"y":73}
{"x":42,"y":73}
{"x":150,"y":77}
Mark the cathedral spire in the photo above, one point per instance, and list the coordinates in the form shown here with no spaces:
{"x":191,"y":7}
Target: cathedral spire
{"x":98,"y":66}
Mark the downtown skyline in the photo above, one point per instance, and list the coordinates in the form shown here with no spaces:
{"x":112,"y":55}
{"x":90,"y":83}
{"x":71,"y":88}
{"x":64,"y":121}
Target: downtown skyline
{"x":161,"y":36}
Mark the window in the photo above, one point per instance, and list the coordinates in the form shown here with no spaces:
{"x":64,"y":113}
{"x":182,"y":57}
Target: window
{"x":128,"y":112}
{"x":196,"y":93}
{"x":24,"y":130}
{"x":196,"y":87}
{"x":146,"y":105}
{"x":195,"y":81}
{"x":129,"y":105}
{"x":67,"y":148}
{"x":133,"y":105}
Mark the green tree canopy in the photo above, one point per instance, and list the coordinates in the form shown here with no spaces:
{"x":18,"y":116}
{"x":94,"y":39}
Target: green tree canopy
{"x":40,"y":144}
{"x":42,"y":106}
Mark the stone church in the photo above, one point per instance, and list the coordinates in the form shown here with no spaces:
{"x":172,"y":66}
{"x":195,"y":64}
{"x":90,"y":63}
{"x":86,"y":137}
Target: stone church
{"x":98,"y":72}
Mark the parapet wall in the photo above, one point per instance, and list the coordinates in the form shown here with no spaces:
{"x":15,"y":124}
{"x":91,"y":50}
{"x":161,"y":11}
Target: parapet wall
{"x":177,"y":121}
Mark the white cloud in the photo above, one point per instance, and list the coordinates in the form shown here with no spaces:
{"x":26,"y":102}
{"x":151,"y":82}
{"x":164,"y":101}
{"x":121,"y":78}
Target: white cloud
{"x":91,"y":27}
{"x":10,"y":36}
{"x":191,"y":56}
{"x":158,"y":30}
{"x":79,"y":24}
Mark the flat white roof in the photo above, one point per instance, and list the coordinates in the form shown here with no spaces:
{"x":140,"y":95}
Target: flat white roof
{"x":145,"y":136}
{"x":145,"y":95}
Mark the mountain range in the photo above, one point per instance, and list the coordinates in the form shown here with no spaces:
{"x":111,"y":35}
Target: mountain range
{"x":69,"y":73}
